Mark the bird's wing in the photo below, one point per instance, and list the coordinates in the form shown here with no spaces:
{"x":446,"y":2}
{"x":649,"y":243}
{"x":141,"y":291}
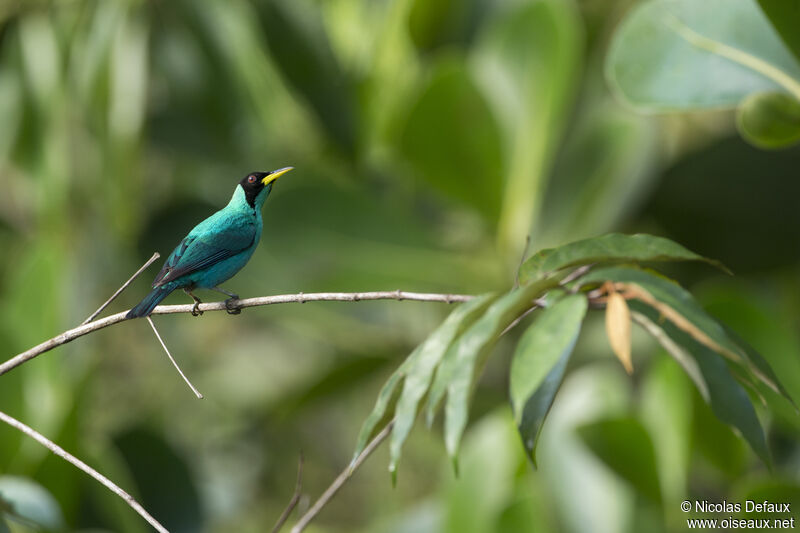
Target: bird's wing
{"x":213,"y":240}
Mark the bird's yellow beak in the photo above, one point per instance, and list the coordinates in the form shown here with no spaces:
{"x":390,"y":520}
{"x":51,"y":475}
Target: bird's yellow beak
{"x":275,"y":174}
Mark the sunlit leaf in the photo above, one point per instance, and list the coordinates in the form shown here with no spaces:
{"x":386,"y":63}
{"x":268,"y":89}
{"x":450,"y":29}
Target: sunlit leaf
{"x":419,"y":372}
{"x":527,"y":63}
{"x":625,"y":446}
{"x":610,"y":248}
{"x":32,"y":502}
{"x":769,"y":120}
{"x":666,"y":408}
{"x":618,"y":329}
{"x":682,"y":54}
{"x":539,"y":363}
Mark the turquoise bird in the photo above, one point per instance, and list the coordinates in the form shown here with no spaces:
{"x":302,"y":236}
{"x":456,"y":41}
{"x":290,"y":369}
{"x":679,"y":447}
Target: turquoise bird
{"x":217,"y":248}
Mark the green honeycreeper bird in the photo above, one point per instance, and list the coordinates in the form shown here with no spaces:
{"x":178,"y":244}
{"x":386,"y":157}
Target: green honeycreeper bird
{"x":215,"y":249}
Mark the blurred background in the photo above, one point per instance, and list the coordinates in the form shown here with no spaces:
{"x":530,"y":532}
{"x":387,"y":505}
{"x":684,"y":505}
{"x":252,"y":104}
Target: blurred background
{"x":429,"y":137}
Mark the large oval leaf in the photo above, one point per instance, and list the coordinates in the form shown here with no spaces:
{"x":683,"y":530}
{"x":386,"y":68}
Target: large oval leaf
{"x":613,"y":247}
{"x":25,"y":499}
{"x":539,"y":363}
{"x":527,"y":63}
{"x":682,"y":54}
{"x":452,"y":140}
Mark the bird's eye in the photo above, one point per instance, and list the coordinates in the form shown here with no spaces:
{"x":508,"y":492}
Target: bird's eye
{"x":251,"y":179}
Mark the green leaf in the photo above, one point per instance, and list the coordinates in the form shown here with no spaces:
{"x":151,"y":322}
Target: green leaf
{"x":666,"y":412}
{"x":772,"y":490}
{"x":728,"y":399}
{"x":682,"y":54}
{"x":785,"y":18}
{"x":463,"y":361}
{"x":527,"y":63}
{"x":680,"y":308}
{"x":603,"y":170}
{"x":30,"y":501}
{"x":769,"y":120}
{"x":761,"y":365}
{"x":299,"y":45}
{"x":452,"y":141}
{"x":625,"y":446}
{"x":385,"y":397}
{"x":421,"y":365}
{"x":613,"y":247}
{"x":539,"y":363}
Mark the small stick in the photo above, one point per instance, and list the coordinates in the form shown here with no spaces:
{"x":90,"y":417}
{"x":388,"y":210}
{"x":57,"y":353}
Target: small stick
{"x":124,"y":286}
{"x":295,"y":497}
{"x":195,"y":391}
{"x":110,"y":320}
{"x":59,"y":451}
{"x":341,"y":479}
{"x":522,"y":259}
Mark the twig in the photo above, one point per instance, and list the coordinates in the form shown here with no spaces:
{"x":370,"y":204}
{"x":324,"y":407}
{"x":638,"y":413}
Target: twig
{"x":341,"y":479}
{"x":124,"y":286}
{"x":522,"y":259}
{"x":58,"y":450}
{"x":575,"y":274}
{"x":295,"y":497}
{"x":104,"y":322}
{"x":537,"y":303}
{"x":174,"y":363}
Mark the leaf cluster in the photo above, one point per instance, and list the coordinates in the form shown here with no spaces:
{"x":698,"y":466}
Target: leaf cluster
{"x":684,"y":55}
{"x":561,"y":285}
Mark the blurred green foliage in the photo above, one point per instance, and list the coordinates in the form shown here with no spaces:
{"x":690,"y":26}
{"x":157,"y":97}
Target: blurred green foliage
{"x":430,"y":137}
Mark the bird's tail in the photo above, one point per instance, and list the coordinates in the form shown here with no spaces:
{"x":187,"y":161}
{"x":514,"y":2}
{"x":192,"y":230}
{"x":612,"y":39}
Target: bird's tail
{"x":146,"y":306}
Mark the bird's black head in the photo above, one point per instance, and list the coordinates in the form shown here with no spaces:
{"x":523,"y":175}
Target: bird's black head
{"x":255,"y":183}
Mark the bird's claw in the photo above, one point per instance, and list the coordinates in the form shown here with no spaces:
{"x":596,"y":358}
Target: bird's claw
{"x":229,"y":306}
{"x":195,"y":309}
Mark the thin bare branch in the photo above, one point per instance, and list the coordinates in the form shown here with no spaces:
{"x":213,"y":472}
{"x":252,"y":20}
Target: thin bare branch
{"x":124,"y":286}
{"x":575,"y":274}
{"x":58,"y":450}
{"x":522,"y":259}
{"x":295,"y":497}
{"x":104,"y":322}
{"x":537,"y":303}
{"x":174,"y":363}
{"x":341,"y":479}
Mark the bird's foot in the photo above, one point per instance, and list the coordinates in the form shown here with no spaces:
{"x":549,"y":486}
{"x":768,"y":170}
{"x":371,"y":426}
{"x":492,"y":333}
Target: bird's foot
{"x":196,"y":309}
{"x":230,"y":305}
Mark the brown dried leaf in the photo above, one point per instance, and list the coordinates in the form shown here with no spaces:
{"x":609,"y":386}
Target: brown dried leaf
{"x":618,"y":329}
